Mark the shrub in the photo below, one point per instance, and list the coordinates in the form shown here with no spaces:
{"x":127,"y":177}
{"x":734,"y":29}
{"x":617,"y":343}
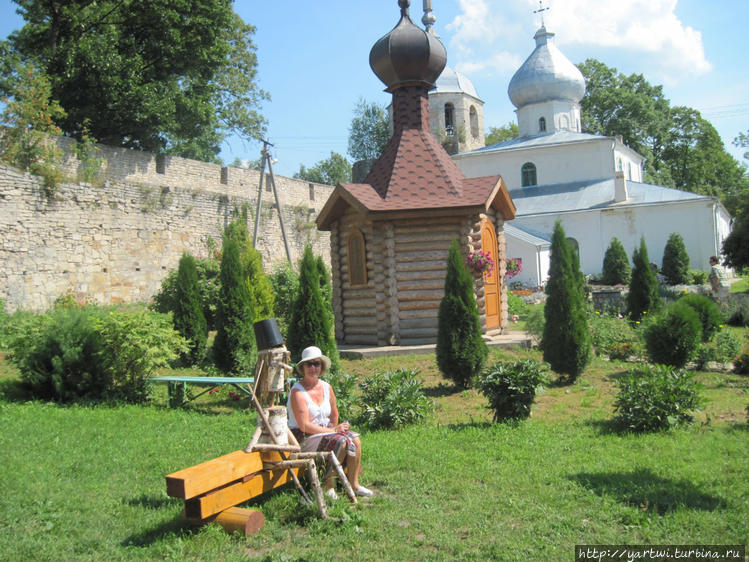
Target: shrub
{"x":344,"y":386}
{"x":656,"y":397}
{"x":675,"y":260}
{"x":188,"y":314}
{"x":393,"y":400}
{"x":697,"y":277}
{"x":643,"y":287}
{"x":60,"y":357}
{"x":612,"y":336}
{"x":566,"y":340}
{"x":135,"y":344}
{"x":511,"y":387}
{"x":727,"y":347}
{"x":708,"y":312}
{"x":209,"y":286}
{"x":86,"y":353}
{"x":736,"y":312}
{"x":516,"y":305}
{"x":535,"y":322}
{"x":285,"y":283}
{"x":672,"y":337}
{"x":616,"y":270}
{"x":310,"y":320}
{"x":741,"y":363}
{"x":461,"y":350}
{"x":326,"y":289}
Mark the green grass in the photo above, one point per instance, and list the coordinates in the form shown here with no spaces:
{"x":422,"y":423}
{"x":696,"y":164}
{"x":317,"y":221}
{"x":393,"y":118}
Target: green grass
{"x":741,"y":286}
{"x":87,"y":483}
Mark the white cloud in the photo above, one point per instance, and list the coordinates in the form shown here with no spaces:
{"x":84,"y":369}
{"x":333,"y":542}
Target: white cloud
{"x":485,"y":31}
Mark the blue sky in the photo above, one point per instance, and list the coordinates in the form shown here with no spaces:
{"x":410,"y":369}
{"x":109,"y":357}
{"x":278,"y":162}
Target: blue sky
{"x":313,"y":58}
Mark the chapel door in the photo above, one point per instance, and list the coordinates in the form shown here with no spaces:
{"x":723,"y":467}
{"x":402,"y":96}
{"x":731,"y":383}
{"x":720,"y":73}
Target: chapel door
{"x":491,"y":280}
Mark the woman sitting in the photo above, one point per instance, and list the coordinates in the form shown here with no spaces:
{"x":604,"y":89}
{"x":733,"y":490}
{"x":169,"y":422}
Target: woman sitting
{"x":313,"y":419}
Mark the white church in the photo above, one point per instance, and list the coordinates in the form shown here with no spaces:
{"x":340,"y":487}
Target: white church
{"x":593,"y":184}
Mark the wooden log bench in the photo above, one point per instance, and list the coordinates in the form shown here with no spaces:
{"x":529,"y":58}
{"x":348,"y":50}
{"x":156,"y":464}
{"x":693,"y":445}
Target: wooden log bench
{"x":213,"y":489}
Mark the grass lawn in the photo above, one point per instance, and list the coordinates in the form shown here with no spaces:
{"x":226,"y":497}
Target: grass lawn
{"x":87,"y":483}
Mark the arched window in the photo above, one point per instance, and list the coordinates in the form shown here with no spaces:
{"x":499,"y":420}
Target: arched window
{"x":564,"y":122}
{"x":357,"y":258}
{"x":629,"y":171}
{"x":542,"y":125}
{"x":449,"y":118}
{"x":619,"y":165}
{"x":474,"y":117}
{"x":528,"y":174}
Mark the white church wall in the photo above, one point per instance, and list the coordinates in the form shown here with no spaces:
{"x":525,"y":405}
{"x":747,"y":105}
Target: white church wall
{"x":554,"y":164}
{"x":696,"y":221}
{"x":535,"y":262}
{"x":558,"y":116}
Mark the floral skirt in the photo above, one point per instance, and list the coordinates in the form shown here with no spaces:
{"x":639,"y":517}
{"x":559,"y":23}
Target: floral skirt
{"x":320,"y":442}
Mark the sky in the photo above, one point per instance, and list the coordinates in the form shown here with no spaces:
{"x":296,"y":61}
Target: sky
{"x":313,"y":58}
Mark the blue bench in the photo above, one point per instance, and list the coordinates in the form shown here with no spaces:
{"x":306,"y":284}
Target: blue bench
{"x":177,"y":386}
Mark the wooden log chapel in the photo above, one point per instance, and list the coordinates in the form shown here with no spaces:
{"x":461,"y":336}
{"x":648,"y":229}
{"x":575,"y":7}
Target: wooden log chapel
{"x":390,"y":235}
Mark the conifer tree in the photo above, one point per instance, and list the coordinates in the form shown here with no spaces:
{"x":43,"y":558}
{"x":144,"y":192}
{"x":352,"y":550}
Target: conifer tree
{"x":310,"y":319}
{"x":675,"y":260}
{"x":189,"y":319}
{"x":643,"y":288}
{"x":259,"y":284}
{"x":461,"y":350}
{"x":234,"y":348}
{"x":616,"y":270}
{"x":326,"y":288}
{"x":566,"y":340}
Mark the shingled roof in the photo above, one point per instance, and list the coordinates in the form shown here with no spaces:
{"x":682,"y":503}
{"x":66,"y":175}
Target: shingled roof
{"x":414,"y":173}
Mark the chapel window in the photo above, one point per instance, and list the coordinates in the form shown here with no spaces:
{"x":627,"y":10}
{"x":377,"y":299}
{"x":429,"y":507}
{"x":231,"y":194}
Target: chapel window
{"x":528,"y":174}
{"x":629,"y":171}
{"x":542,"y":125}
{"x":474,"y":117}
{"x":357,"y":258}
{"x":619,"y":167}
{"x":564,"y":122}
{"x":449,"y":118}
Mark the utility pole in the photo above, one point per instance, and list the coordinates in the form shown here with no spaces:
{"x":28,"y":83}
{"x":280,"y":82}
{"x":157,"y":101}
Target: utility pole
{"x":265,"y":153}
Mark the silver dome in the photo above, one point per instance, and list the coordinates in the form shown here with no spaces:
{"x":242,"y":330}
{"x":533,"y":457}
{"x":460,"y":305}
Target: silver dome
{"x":546,"y":75}
{"x":453,"y":82}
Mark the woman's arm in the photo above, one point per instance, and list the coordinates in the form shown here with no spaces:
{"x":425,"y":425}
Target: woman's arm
{"x":338,"y":427}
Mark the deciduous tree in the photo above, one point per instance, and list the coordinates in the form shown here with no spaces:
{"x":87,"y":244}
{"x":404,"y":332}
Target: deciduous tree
{"x":149,"y":74}
{"x":369,"y":131}
{"x":501,"y":134}
{"x":332,"y":171}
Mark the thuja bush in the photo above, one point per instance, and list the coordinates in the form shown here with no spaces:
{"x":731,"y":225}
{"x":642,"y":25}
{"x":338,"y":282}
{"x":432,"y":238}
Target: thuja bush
{"x":616,"y":270}
{"x":672,"y":337}
{"x":708,"y":311}
{"x":310,"y":319}
{"x":643,"y":286}
{"x":511,"y":387}
{"x":189,"y":319}
{"x":285,"y":283}
{"x":234,"y":347}
{"x":461,"y":350}
{"x":393,"y":400}
{"x":566,"y":340}
{"x":675,"y":260}
{"x":209,"y":286}
{"x":656,"y":397}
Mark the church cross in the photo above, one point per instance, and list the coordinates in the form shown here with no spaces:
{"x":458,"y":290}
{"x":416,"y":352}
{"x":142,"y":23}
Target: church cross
{"x":540,"y":10}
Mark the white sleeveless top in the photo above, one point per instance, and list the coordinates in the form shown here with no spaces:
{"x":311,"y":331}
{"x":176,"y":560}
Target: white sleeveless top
{"x":319,"y":414}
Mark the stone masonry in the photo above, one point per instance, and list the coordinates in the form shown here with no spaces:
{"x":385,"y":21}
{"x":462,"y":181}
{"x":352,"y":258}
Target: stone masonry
{"x":115,"y":239}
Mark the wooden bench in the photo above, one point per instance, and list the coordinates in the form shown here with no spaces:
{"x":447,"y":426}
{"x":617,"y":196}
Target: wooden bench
{"x":212,"y":489}
{"x":177,"y":386}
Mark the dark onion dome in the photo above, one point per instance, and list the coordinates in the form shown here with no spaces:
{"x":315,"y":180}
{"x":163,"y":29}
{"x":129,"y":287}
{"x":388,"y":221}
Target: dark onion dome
{"x":407,"y":54}
{"x":546,"y":75}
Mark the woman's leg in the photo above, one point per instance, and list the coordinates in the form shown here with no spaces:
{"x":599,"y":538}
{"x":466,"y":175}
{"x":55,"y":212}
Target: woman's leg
{"x":353,"y":465}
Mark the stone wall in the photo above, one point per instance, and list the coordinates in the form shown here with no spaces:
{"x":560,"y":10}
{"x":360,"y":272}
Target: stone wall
{"x":115,"y":239}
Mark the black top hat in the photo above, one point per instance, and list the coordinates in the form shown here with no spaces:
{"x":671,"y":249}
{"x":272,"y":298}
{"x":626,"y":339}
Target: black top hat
{"x":267,"y":334}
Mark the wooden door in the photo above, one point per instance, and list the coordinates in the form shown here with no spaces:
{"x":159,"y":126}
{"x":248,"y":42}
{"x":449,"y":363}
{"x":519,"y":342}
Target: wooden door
{"x":491,"y":281}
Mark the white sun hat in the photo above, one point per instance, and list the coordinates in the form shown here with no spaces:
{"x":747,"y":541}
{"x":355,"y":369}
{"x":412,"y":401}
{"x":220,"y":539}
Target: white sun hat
{"x":309,"y":354}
